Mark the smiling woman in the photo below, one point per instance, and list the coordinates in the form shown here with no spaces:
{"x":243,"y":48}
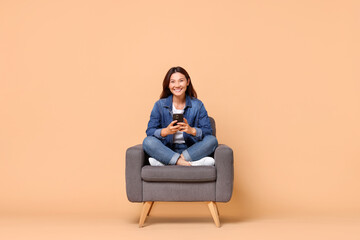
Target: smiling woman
{"x":187,"y":139}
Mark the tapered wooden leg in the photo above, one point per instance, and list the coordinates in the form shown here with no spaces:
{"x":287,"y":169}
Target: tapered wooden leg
{"x":214,"y":213}
{"x":152,"y":204}
{"x":144,"y":212}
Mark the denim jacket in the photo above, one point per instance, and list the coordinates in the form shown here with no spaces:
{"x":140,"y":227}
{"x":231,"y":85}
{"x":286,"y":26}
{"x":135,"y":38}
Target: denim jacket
{"x":194,"y":112}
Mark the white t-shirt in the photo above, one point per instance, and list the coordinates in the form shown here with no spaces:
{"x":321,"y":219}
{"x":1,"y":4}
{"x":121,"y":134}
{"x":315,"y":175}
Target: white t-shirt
{"x":178,"y":136}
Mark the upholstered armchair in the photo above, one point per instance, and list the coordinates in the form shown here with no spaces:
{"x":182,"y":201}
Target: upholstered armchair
{"x":149,"y":184}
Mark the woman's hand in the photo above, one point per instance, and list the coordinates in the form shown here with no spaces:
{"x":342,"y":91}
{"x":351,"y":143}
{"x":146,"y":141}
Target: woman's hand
{"x":185,"y":127}
{"x":170,"y":129}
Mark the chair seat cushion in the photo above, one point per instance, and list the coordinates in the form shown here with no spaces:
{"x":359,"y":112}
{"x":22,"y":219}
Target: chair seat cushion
{"x":178,"y":173}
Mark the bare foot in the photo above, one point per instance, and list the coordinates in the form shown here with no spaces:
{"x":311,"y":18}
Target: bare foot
{"x":181,"y":161}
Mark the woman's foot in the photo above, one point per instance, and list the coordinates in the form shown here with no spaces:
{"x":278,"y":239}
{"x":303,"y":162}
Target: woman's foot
{"x":154,"y":162}
{"x":182,"y":162}
{"x":206,"y":161}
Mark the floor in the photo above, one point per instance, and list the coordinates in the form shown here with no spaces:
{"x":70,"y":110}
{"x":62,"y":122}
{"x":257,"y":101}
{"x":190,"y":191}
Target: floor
{"x":164,"y":225}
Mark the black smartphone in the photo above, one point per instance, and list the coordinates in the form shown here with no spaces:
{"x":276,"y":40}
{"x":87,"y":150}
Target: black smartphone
{"x":179,"y":117}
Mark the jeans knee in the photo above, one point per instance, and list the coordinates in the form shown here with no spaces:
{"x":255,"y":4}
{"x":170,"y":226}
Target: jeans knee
{"x":148,"y":142}
{"x":212,"y":141}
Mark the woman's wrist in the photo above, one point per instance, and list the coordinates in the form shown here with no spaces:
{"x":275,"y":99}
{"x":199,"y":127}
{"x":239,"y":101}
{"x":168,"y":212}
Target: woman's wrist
{"x":163,"y":132}
{"x":193,"y":131}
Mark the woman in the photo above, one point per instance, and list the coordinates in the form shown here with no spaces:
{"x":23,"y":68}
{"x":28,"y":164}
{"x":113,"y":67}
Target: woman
{"x":187,"y":143}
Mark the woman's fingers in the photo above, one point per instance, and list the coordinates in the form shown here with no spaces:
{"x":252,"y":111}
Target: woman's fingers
{"x":175,"y":128}
{"x":183,"y":126}
{"x":172,"y":127}
{"x":180,"y":126}
{"x":173,"y":122}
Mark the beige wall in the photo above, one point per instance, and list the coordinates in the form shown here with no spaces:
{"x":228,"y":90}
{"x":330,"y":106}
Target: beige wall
{"x":78,"y":80}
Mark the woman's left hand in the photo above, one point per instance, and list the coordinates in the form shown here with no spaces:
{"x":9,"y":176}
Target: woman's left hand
{"x":185,"y":127}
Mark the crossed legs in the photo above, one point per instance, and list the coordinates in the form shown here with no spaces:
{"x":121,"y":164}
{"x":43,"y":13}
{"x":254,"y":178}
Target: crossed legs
{"x":183,"y":155}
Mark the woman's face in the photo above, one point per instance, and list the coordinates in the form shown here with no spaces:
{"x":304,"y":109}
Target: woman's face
{"x":178,"y":84}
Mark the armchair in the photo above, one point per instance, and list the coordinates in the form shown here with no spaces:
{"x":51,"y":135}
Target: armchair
{"x":149,"y":184}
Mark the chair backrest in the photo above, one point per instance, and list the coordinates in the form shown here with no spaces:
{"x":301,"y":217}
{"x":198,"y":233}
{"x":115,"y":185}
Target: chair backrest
{"x":213,"y":126}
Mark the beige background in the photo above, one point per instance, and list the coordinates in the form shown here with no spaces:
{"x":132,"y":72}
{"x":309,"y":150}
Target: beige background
{"x":78,"y":80}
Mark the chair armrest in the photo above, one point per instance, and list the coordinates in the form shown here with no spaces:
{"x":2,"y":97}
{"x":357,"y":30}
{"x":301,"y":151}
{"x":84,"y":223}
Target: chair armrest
{"x":224,"y":163}
{"x":135,"y":160}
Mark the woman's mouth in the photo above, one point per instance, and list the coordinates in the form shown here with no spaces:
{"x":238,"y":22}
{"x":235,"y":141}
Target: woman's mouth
{"x":177,"y":90}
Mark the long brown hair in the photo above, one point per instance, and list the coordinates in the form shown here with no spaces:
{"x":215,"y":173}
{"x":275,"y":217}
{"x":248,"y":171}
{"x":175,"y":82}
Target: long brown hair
{"x":166,"y":91}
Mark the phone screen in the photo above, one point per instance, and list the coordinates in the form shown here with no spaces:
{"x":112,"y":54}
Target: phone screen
{"x":179,"y":117}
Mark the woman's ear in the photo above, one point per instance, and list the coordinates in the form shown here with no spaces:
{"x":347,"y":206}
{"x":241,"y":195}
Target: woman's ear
{"x":188,"y":82}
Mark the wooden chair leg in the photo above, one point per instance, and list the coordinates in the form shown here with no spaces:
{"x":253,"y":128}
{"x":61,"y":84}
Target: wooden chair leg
{"x":214,"y":213}
{"x":144,"y":212}
{"x":217,"y":209}
{"x":151,"y":206}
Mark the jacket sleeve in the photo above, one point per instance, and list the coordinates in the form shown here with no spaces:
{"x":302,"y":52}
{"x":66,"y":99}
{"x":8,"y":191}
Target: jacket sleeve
{"x":154,"y":125}
{"x":203,"y":127}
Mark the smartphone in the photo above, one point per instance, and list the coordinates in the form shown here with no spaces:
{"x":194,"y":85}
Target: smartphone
{"x":179,"y":117}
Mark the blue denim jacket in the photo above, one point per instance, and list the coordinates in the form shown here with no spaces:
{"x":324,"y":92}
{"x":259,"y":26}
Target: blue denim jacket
{"x":194,"y":112}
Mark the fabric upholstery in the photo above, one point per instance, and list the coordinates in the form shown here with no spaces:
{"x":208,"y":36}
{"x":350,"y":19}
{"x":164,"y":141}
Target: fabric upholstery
{"x":179,"y":192}
{"x":213,"y":126}
{"x":224,"y":163}
{"x":178,"y":174}
{"x":135,"y":160}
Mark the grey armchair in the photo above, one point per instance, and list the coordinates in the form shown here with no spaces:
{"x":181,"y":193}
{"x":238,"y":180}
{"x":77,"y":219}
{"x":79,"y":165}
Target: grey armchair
{"x":211,"y":184}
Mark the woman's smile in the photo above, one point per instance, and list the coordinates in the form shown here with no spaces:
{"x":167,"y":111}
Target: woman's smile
{"x":177,"y":90}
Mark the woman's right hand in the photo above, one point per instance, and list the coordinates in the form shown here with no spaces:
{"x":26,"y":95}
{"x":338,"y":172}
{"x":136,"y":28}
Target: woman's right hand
{"x":170,"y":129}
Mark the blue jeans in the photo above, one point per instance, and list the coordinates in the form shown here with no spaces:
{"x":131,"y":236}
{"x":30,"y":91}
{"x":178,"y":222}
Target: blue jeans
{"x":169,"y":156}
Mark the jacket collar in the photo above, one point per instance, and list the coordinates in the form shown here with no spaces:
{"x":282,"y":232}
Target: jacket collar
{"x":168,"y":101}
